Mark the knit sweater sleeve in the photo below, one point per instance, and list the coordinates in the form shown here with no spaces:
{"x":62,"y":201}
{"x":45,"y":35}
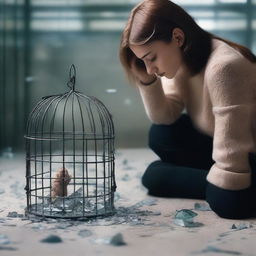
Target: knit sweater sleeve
{"x":162,"y":101}
{"x":230,"y":88}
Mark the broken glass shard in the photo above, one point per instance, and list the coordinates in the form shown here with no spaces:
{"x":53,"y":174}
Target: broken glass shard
{"x":202,"y":207}
{"x":217,"y":250}
{"x":126,"y":177}
{"x":4,"y":240}
{"x":15,"y":215}
{"x":125,"y":162}
{"x":52,"y":239}
{"x":147,"y":202}
{"x":185,"y":214}
{"x":187,"y":223}
{"x":241,"y":226}
{"x":184,"y":218}
{"x":84,"y":233}
{"x":5,"y":248}
{"x":117,"y":240}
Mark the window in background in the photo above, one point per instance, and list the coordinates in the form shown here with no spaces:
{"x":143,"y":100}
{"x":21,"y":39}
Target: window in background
{"x":40,"y":39}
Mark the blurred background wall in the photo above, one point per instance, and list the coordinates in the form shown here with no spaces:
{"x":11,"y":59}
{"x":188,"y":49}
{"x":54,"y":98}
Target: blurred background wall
{"x":40,"y":39}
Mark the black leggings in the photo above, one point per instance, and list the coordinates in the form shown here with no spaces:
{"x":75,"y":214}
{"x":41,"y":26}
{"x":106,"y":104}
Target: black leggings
{"x":186,"y":157}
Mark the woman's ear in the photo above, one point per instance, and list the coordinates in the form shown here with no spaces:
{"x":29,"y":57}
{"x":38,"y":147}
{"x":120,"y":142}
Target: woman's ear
{"x":178,"y":36}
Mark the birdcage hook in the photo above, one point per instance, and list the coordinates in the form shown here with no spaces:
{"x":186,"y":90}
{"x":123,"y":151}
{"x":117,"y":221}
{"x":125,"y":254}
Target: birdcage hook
{"x":72,"y":78}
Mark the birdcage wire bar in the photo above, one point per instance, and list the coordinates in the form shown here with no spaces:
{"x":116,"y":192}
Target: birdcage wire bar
{"x":70,"y":132}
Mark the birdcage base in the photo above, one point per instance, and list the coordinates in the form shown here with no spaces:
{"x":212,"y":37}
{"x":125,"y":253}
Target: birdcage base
{"x":73,"y":206}
{"x":64,"y":215}
{"x":47,"y":210}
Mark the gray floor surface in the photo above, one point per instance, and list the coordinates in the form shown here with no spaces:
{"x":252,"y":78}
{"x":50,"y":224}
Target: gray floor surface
{"x":143,"y":225}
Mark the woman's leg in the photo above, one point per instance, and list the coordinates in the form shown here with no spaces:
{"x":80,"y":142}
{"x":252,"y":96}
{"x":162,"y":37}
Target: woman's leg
{"x":172,"y":178}
{"x":234,"y":204}
{"x":231,"y":204}
{"x":185,"y":157}
{"x":168,"y":180}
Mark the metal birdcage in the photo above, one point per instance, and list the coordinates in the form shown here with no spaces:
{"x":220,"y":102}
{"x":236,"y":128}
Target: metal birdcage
{"x":70,"y":163}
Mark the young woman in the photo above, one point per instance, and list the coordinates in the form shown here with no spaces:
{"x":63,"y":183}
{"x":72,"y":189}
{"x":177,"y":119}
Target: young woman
{"x":207,"y":151}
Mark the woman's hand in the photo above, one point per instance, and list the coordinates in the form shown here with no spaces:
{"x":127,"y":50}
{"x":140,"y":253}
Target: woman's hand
{"x":139,"y":70}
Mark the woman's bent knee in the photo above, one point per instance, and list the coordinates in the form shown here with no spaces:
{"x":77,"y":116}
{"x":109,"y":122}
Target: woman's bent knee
{"x":150,"y":178}
{"x":230,"y":204}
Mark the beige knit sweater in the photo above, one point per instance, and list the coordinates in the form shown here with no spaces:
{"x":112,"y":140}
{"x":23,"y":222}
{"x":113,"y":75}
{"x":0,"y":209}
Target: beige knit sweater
{"x":221,"y":101}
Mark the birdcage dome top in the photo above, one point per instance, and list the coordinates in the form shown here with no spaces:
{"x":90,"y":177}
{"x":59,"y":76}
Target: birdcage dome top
{"x":71,"y":115}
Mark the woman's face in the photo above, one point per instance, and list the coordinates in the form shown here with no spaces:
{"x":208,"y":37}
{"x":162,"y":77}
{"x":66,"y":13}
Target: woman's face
{"x":160,"y":58}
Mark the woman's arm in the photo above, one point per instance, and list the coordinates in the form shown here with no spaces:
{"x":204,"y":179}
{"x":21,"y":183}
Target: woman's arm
{"x":230,"y":85}
{"x":162,"y":101}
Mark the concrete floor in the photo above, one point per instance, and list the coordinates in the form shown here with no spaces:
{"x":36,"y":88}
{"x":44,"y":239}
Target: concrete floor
{"x":148,"y":228}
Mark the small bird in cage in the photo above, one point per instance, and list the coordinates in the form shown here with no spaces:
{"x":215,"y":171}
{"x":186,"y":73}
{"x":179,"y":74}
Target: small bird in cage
{"x":60,"y":183}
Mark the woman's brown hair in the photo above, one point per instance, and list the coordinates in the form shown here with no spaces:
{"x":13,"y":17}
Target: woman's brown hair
{"x":155,"y":19}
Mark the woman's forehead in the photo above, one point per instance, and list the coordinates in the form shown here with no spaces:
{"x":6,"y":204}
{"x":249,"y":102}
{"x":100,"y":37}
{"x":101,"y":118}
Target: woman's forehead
{"x":142,"y":50}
